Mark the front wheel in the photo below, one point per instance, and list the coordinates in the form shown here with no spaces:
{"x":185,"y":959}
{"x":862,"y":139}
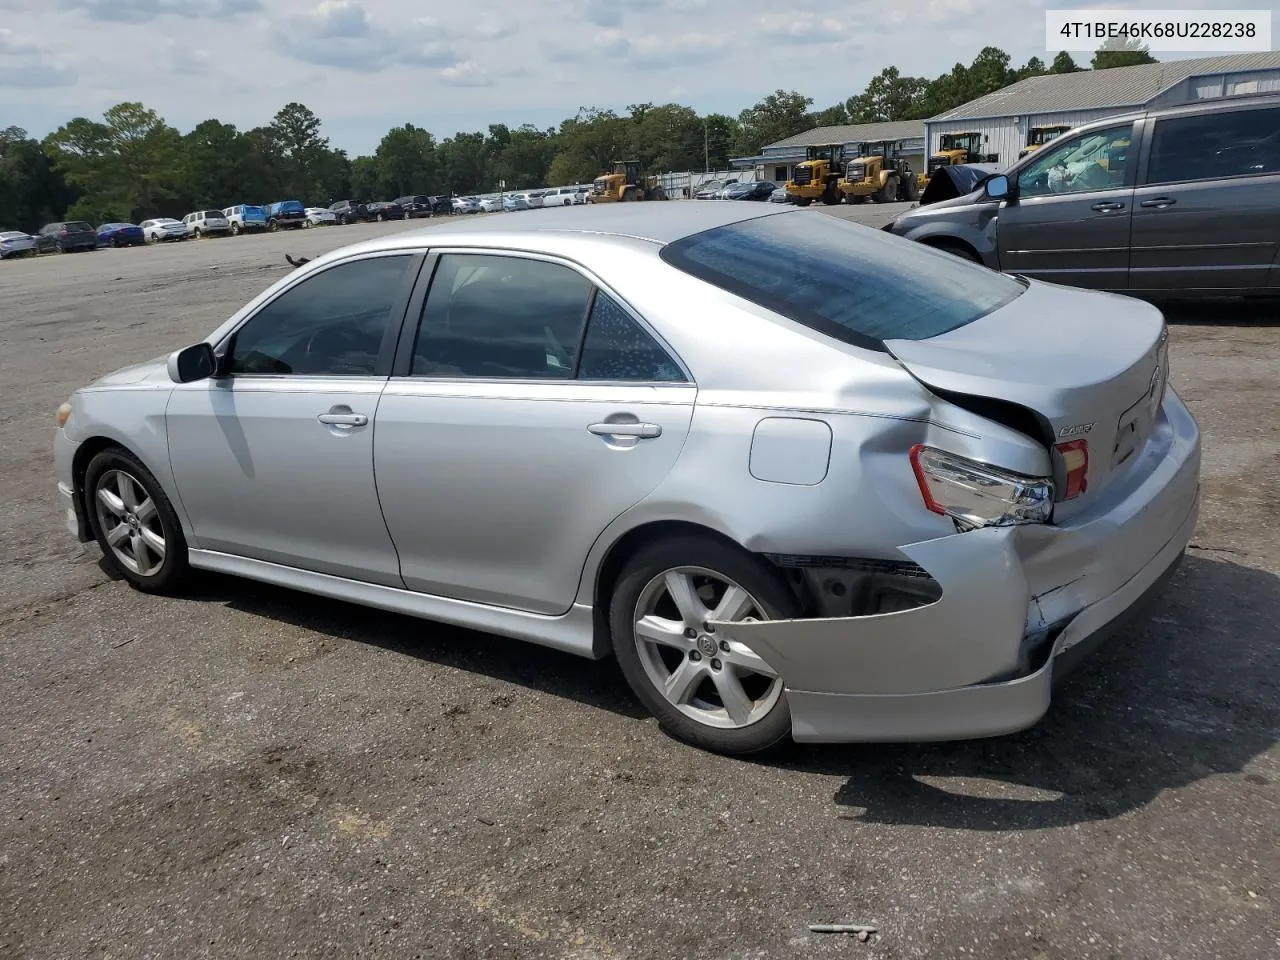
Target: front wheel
{"x":235,"y":229}
{"x":134,"y":523}
{"x":704,"y":689}
{"x":196,"y":233}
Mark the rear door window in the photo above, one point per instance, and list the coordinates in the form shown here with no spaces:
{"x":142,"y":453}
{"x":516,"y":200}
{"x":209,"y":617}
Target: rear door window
{"x":1214,"y":146}
{"x":847,"y":281}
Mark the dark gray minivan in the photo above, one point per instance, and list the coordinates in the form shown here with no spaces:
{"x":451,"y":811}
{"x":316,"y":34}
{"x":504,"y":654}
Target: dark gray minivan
{"x":1179,"y":202}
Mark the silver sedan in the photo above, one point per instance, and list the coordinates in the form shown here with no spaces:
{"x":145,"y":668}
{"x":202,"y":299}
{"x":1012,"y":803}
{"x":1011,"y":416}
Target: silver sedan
{"x":802,"y":478}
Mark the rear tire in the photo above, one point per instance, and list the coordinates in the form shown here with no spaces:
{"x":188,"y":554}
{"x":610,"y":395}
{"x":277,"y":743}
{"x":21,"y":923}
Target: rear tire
{"x":134,"y":522}
{"x":888,"y":192}
{"x":752,"y":714}
{"x":196,"y":233}
{"x":235,"y":229}
{"x":803,"y":201}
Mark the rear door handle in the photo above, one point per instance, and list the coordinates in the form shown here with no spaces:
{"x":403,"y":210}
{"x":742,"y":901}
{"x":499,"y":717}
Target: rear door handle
{"x":645,"y":431}
{"x":343,"y":419}
{"x":1107,"y":206}
{"x":1158,"y":202}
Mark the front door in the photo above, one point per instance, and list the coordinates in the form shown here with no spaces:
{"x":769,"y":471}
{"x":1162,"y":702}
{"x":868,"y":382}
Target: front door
{"x":514,"y":438}
{"x":1069,"y":222}
{"x":274,"y":460}
{"x":1204,"y":216}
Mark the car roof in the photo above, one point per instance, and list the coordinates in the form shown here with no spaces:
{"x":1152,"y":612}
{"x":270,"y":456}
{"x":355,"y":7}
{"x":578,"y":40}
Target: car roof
{"x":655,"y":221}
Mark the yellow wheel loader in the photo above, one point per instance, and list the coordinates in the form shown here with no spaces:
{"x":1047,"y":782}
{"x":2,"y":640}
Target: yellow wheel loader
{"x":957,"y":148}
{"x":817,"y":177}
{"x":1037,"y":137}
{"x":625,"y":184}
{"x":875,"y":174}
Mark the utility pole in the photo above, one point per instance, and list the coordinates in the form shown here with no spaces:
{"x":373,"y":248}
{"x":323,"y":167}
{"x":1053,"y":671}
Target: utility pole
{"x":706,"y":148}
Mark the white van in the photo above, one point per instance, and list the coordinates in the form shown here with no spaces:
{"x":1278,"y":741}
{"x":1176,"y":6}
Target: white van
{"x":560,"y":197}
{"x":205,"y":223}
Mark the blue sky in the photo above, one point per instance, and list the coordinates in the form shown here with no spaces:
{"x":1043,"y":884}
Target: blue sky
{"x":366,"y":65}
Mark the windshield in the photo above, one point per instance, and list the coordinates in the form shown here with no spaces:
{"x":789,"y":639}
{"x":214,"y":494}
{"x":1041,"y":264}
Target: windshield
{"x":78,"y":225}
{"x":849,"y":282}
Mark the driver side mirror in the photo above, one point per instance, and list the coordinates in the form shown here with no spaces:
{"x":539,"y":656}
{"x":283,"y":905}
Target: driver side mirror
{"x":192,"y":363}
{"x":996,"y":187}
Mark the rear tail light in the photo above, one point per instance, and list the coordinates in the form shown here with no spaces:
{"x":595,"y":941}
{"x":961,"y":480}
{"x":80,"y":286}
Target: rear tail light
{"x":1075,"y":462}
{"x":976,"y":494}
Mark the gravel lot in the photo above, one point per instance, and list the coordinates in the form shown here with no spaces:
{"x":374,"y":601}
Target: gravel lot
{"x":250,"y":772}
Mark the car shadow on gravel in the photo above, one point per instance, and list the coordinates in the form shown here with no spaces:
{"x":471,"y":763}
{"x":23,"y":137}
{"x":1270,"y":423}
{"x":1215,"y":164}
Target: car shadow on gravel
{"x":1190,"y":693}
{"x":1222,"y":313}
{"x":539,"y":668}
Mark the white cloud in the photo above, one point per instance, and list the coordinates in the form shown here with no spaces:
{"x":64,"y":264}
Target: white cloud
{"x":144,"y":11}
{"x":27,"y":65}
{"x":808,"y":28}
{"x":340,"y":33}
{"x":466,"y":74}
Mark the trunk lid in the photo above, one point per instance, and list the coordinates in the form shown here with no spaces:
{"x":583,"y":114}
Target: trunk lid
{"x":1091,"y":366}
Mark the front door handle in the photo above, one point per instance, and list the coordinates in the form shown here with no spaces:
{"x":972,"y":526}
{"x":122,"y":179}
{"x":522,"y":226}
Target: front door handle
{"x":644,"y":431}
{"x":1158,"y":203}
{"x":343,"y":419}
{"x":1107,"y":206}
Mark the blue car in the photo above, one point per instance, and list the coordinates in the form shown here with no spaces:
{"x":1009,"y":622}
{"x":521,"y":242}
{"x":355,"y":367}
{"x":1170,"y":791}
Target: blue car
{"x":245,"y":218}
{"x":121,"y":235}
{"x":286,"y":213}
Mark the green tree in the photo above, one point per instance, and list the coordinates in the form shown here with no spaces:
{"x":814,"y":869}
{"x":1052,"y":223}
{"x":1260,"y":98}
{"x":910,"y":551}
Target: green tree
{"x":521,"y":157}
{"x":32,"y":192}
{"x":1063,"y":63}
{"x":1121,"y":52}
{"x":781,"y":114}
{"x":889,"y":96}
{"x":126,"y":167}
{"x":308,"y":164}
{"x":588,"y":144}
{"x":463,"y":166}
{"x":405,"y":162}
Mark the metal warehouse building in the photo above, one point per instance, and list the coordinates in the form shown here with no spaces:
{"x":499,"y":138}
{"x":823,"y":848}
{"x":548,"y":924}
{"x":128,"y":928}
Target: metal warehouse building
{"x":777,"y":161}
{"x":1006,"y":117}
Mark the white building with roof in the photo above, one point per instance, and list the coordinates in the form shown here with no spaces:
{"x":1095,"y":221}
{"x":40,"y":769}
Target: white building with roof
{"x":1007,"y":118}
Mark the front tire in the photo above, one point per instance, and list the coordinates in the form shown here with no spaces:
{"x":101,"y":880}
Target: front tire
{"x":134,"y":522}
{"x":710,"y":692}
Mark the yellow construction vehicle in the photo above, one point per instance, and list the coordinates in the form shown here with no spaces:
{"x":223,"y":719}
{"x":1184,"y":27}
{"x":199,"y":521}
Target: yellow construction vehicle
{"x":625,"y":184}
{"x":1037,"y":137}
{"x":817,"y":177}
{"x":875,"y":173}
{"x":960,"y":148}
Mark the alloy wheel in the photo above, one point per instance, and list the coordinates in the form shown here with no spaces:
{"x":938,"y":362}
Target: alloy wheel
{"x":710,"y":679}
{"x":130,"y":522}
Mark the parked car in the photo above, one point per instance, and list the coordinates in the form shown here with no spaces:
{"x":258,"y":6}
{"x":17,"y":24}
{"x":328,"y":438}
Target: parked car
{"x":1179,"y":202}
{"x":441,"y":205}
{"x":583,"y":195}
{"x":246,"y":218}
{"x":384,"y":210}
{"x":320,"y":217}
{"x":286,"y":215}
{"x":466,"y":205}
{"x":559,"y":196}
{"x":204,"y":223}
{"x":15,"y":243}
{"x":751,"y":190}
{"x":163,"y":229}
{"x":780,"y":195}
{"x":491,"y":205}
{"x":416,"y":206}
{"x":711,"y":190}
{"x":532,"y":197}
{"x":121,"y":235}
{"x":513,"y":202}
{"x":350,"y":211}
{"x":952,"y":506}
{"x":66,"y":236}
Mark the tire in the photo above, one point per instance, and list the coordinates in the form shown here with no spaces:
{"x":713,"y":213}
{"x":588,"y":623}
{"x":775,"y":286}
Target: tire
{"x":272,"y":226}
{"x":196,"y":234}
{"x":306,"y":224}
{"x":907,"y":189}
{"x":889,"y":192}
{"x":957,"y":249}
{"x":803,"y":201}
{"x":60,"y":248}
{"x":380,"y":218}
{"x":764,"y":717}
{"x":115,"y":242}
{"x":831,"y":195}
{"x":235,"y":229}
{"x":135,"y":556}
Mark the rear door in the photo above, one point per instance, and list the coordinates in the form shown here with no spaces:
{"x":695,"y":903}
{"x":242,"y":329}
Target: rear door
{"x":1069,"y":221}
{"x":1207,"y":212}
{"x":509,"y":438}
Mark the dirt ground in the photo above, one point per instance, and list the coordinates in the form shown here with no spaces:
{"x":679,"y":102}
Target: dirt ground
{"x":251,"y":772}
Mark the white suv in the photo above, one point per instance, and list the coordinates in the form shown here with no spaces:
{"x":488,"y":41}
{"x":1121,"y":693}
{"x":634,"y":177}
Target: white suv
{"x":206,"y":222}
{"x":560,"y":197}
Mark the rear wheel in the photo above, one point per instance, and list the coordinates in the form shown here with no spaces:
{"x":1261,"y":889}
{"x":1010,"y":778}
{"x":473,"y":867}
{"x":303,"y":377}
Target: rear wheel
{"x":235,"y":229}
{"x":273,"y":226}
{"x":831,"y":195}
{"x":704,"y":689}
{"x":134,"y":523}
{"x":888,"y":192}
{"x":196,"y":233}
{"x":803,"y":201}
{"x":957,"y":249}
{"x":907,"y":189}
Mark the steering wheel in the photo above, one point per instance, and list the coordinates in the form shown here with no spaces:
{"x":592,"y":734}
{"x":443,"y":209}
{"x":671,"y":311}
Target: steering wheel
{"x":329,"y":343}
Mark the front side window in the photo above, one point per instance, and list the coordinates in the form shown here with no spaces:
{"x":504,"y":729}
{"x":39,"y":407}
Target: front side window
{"x":331,"y":324}
{"x":1092,"y":161}
{"x":1212,"y":146}
{"x":847,"y":281}
{"x":490,"y":316}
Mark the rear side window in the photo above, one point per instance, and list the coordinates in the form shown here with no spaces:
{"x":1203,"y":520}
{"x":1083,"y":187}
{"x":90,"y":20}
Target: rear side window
{"x":1212,"y":146}
{"x":852,"y":283}
{"x":617,"y":348}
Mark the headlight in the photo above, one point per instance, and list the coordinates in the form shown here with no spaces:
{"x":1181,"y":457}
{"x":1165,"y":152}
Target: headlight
{"x":63,"y":415}
{"x":977,"y":495}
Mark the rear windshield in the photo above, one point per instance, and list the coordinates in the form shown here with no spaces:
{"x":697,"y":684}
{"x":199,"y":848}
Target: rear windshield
{"x":213,"y":214}
{"x":852,"y":283}
{"x":291,"y":205}
{"x":78,"y":225}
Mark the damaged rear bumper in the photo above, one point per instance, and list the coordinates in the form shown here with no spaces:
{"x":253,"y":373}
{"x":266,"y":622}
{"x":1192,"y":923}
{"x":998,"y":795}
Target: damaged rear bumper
{"x":1018,"y":607}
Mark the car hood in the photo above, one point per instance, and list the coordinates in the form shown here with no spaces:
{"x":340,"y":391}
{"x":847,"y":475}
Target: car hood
{"x":1090,"y":366}
{"x":154,"y":371}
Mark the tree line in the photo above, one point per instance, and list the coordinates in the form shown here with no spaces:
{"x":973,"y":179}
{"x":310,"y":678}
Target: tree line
{"x":131,"y":165}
